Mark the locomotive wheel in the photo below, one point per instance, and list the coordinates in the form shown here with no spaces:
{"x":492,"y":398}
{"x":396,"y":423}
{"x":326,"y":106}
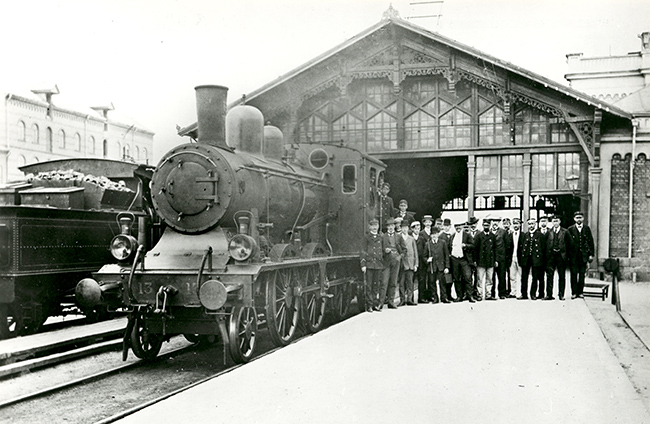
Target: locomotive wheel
{"x":242,"y":334}
{"x":341,"y":301}
{"x":313,"y":305}
{"x":145,"y":345}
{"x":282,"y":306}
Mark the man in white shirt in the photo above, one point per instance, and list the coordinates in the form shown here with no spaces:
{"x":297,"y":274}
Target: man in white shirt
{"x":515,"y":268}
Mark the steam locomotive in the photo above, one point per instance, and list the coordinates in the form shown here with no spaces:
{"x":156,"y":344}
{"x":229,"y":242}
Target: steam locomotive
{"x":255,"y":235}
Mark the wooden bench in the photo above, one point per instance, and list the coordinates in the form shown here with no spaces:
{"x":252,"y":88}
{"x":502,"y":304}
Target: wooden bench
{"x":598,"y":290}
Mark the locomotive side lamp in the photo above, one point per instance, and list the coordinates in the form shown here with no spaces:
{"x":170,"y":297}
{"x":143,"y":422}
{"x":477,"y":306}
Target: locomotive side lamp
{"x":124,"y":245}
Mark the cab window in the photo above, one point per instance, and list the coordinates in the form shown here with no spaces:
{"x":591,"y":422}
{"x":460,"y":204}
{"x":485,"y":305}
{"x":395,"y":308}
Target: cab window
{"x":349,"y":179}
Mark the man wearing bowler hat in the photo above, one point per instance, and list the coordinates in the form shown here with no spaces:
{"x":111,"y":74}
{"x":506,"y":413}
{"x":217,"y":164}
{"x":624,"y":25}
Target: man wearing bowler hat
{"x":424,"y":283}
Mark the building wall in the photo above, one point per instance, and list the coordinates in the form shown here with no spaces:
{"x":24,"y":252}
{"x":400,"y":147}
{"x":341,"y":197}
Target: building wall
{"x":26,"y":125}
{"x":614,"y":207}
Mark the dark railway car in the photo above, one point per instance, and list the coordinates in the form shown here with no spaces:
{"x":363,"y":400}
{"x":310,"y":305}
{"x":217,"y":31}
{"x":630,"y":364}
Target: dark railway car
{"x":50,"y":237}
{"x":254,"y":236}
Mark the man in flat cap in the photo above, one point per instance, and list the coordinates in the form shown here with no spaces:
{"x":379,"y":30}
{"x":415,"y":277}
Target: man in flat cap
{"x":372,"y":265}
{"x":424,"y":281}
{"x":582,"y":253}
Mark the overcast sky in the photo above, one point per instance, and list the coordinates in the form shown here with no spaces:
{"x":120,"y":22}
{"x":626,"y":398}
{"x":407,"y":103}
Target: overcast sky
{"x":147,"y":56}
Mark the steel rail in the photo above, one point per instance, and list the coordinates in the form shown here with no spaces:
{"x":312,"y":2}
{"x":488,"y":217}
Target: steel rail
{"x":86,"y":379}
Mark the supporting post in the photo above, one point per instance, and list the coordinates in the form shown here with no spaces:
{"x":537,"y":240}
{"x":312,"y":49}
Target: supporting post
{"x":527,"y":163}
{"x":471,"y":184}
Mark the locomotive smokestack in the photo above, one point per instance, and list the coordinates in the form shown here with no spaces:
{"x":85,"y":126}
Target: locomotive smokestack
{"x":211,"y":110}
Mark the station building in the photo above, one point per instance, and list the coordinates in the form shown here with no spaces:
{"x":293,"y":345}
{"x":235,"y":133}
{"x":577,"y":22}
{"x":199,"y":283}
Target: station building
{"x":33,"y":128}
{"x":456,"y":126}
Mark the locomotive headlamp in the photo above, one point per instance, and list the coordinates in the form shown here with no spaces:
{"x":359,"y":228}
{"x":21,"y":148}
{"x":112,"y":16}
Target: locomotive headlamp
{"x":123,"y":247}
{"x":241,"y":247}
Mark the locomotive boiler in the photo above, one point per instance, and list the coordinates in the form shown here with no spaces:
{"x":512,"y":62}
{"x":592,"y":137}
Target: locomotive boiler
{"x":255,"y":235}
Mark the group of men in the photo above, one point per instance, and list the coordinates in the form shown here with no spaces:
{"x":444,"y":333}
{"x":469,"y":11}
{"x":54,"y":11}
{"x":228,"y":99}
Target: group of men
{"x":492,"y":264}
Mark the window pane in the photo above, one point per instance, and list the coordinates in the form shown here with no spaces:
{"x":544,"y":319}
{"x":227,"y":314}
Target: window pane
{"x":382,"y":132}
{"x":420,"y":131}
{"x":487,"y":171}
{"x":542,"y":176}
{"x":455,"y":129}
{"x":348,"y":129}
{"x":512,"y":176}
{"x":567,"y":164}
{"x":349,"y":179}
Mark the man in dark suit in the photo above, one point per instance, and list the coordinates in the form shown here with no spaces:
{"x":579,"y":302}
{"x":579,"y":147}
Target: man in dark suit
{"x":386,"y":208}
{"x":470,"y":228}
{"x":461,"y":244}
{"x":438,"y":262}
{"x":406,"y":216}
{"x":581,"y":253}
{"x":531,"y":256}
{"x":510,"y":250}
{"x":501,"y":252}
{"x":421,"y":273}
{"x":394,"y":250}
{"x":485,"y":255}
{"x":556,"y":257}
{"x":372,"y":265}
{"x":424,"y":281}
{"x":544,"y":231}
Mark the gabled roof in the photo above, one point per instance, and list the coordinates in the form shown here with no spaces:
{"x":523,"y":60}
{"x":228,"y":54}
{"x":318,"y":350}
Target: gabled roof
{"x":434,"y":36}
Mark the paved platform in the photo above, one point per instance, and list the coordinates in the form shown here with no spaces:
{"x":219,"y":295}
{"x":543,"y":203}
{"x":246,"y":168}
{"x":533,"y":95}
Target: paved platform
{"x":505,"y":361}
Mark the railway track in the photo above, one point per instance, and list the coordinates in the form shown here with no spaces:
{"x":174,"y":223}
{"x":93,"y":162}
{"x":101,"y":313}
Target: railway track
{"x":115,"y":392}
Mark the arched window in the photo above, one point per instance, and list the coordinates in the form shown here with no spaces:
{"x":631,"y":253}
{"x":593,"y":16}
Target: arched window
{"x":22,"y":133}
{"x":491,"y":127}
{"x":137,"y":153}
{"x":119,"y":150}
{"x":455,"y":129}
{"x":127,"y":152}
{"x":382,"y":132}
{"x":105,"y":148}
{"x":145,"y":159}
{"x":36,"y":133}
{"x":48,"y":140}
{"x":62,"y":139}
{"x":348,"y":129}
{"x":77,"y":142}
{"x":420,"y":131}
{"x":91,"y":145}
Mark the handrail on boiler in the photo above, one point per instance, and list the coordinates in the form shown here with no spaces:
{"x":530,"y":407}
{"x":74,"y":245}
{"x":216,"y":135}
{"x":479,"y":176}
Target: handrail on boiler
{"x":138,"y":253}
